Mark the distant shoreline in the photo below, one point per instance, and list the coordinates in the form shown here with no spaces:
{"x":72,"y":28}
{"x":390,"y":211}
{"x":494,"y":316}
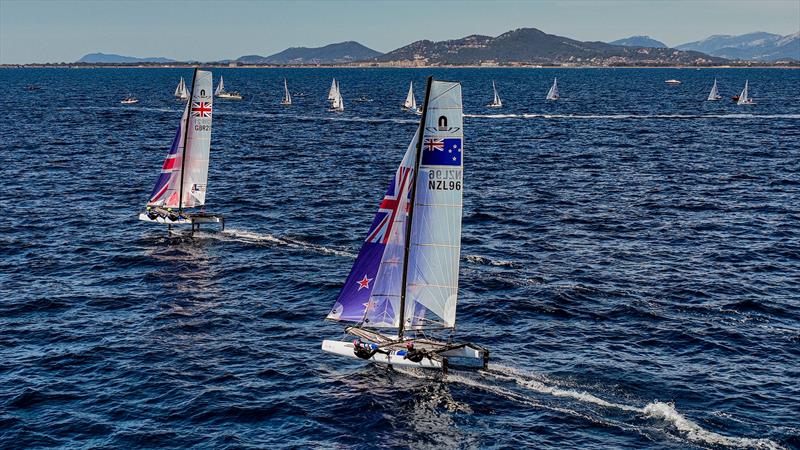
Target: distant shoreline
{"x":792,"y":65}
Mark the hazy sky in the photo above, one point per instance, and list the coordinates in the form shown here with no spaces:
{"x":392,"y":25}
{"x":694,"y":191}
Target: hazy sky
{"x":64,"y":30}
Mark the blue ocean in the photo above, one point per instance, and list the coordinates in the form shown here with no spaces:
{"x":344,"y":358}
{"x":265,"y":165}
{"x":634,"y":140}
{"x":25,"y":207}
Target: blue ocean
{"x":630,"y":256}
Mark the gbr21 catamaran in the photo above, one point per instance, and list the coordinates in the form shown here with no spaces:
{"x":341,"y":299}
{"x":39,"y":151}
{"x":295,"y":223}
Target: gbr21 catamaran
{"x":403,"y":287}
{"x":184,"y":174}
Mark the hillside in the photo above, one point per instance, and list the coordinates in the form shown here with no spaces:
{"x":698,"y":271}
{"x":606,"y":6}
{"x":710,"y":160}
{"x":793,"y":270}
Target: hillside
{"x":639,"y":41}
{"x":757,"y":46}
{"x":532,"y":46}
{"x":110,"y":58}
{"x":342,"y":52}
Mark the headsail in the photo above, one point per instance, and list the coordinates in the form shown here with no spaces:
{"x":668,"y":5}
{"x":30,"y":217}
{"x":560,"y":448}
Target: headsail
{"x":184,"y":174}
{"x":333,"y":90}
{"x":373,"y":290}
{"x":552,"y":94}
{"x":220,"y":87}
{"x":411,"y":102}
{"x":714,"y":95}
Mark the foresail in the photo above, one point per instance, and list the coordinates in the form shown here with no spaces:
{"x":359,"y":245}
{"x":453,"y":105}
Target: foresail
{"x":433,"y":261}
{"x":371,"y":292}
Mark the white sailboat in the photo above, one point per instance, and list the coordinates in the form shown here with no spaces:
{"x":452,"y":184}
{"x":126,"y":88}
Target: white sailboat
{"x":180,"y":91}
{"x":182,"y":182}
{"x":411,"y":103}
{"x":332,"y":91}
{"x":403,"y":287}
{"x":287,"y":97}
{"x":714,"y":95}
{"x":337,"y":104}
{"x":222,"y":93}
{"x":496,"y":102}
{"x":744,"y":97}
{"x":552,"y":94}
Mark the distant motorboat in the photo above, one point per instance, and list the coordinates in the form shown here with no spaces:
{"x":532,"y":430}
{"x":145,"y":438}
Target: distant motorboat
{"x":129,"y":100}
{"x":362,"y":99}
{"x":32,"y":87}
{"x":287,"y":97}
{"x":496,"y":102}
{"x":552,"y":94}
{"x":673,"y":81}
{"x":714,"y":95}
{"x":744,"y":98}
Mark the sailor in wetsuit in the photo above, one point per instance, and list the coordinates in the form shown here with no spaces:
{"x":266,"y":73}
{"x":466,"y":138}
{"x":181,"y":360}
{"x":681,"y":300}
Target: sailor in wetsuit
{"x":152,"y":214}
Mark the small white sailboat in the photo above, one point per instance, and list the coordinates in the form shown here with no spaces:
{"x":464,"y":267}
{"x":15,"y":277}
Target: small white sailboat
{"x":180,"y":91}
{"x":287,"y":97}
{"x":673,"y":81}
{"x":714,"y":95}
{"x":496,"y":102}
{"x":552,"y":94}
{"x":332,"y":91}
{"x":181,"y":185}
{"x":411,"y":103}
{"x":337,"y":104}
{"x":222,"y":93}
{"x":403,"y":288}
{"x":744,"y":97}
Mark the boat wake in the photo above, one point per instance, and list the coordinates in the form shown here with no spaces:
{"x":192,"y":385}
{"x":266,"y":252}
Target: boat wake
{"x":478,"y":259}
{"x":537,"y":391}
{"x":252,"y":238}
{"x":632,"y":116}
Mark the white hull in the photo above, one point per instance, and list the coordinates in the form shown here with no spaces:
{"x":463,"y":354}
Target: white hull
{"x":186,"y":220}
{"x":145,"y":218}
{"x":229,"y":96}
{"x":464,"y":357}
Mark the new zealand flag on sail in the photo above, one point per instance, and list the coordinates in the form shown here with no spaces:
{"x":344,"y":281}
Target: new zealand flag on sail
{"x":441,"y":152}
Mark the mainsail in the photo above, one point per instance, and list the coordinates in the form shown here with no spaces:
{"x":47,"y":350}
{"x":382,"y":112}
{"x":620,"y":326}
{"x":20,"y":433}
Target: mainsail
{"x":411,"y":102}
{"x":220,"y":87}
{"x":184,"y":174}
{"x":334,"y":89}
{"x":743,"y":98}
{"x":338,"y":102}
{"x":287,"y":97}
{"x":552,"y":94}
{"x":406,"y":274}
{"x":714,"y":95}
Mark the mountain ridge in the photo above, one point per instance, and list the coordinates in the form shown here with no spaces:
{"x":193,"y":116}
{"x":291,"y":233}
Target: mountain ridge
{"x":639,"y":41}
{"x":756,"y":46}
{"x":337,"y":53}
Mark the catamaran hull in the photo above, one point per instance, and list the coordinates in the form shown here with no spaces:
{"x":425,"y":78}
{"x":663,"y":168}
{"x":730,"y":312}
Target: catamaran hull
{"x":457,"y":358}
{"x":144,"y":217}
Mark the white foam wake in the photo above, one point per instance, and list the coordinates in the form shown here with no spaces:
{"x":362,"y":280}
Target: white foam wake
{"x":632,"y":116}
{"x":488,"y":261}
{"x":249,"y":237}
{"x":654,"y":410}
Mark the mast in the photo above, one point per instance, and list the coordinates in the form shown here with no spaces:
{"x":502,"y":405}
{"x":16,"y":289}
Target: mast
{"x":186,"y":139}
{"x":407,"y":245}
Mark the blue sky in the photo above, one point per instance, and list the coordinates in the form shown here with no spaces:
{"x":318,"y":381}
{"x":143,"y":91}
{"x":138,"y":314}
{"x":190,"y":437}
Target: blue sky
{"x":64,"y":30}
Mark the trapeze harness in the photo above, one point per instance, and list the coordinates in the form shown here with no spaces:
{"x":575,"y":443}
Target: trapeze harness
{"x":367,"y":351}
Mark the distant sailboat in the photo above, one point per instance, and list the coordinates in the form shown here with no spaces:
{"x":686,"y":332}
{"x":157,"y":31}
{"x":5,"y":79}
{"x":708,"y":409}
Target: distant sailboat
{"x":332,"y":91}
{"x":744,"y":97}
{"x":411,"y":103}
{"x":180,"y":91}
{"x":129,"y":100}
{"x":405,"y":278}
{"x":338,"y":102}
{"x":552,"y":94}
{"x":673,"y":81}
{"x":287,"y":97}
{"x":496,"y":102}
{"x":184,"y":174}
{"x":222,"y":93}
{"x":714,"y":95}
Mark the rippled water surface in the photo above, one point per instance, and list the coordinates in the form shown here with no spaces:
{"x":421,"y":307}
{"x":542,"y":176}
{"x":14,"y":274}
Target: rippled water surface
{"x":631,"y":256}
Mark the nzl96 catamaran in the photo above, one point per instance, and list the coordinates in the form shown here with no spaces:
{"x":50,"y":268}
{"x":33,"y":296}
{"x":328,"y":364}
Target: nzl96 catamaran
{"x":403,"y":288}
{"x":184,"y":174}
